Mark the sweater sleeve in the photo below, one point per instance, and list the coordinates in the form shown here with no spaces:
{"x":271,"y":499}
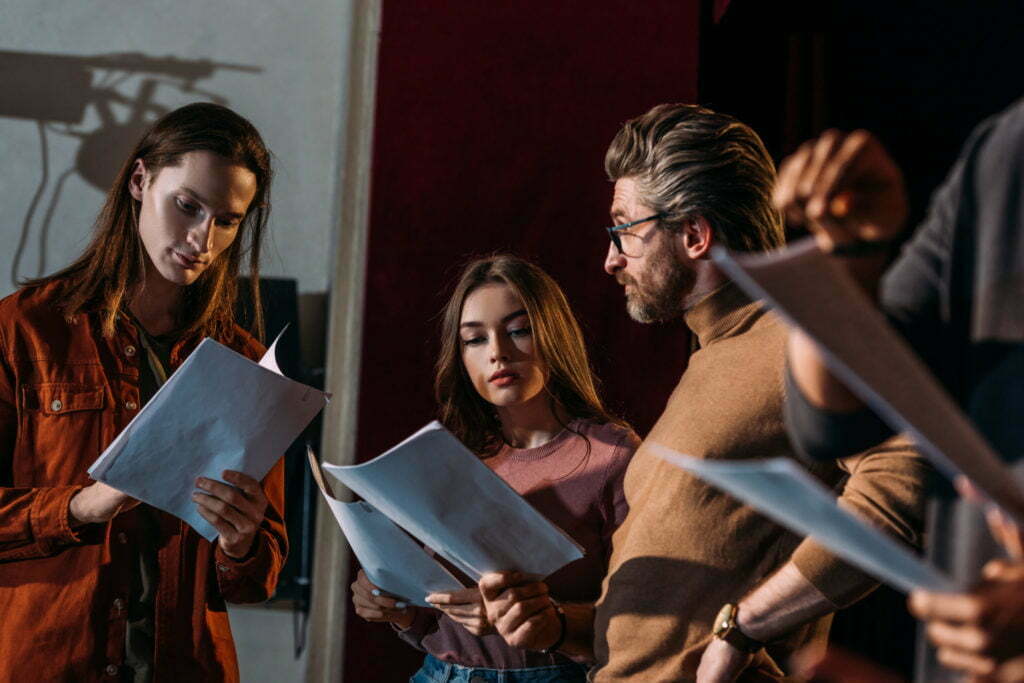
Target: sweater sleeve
{"x":613,"y":498}
{"x":886,"y":487}
{"x":423,"y":625}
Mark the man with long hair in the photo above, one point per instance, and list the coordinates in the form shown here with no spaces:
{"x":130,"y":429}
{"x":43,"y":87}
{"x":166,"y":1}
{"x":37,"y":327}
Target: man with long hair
{"x":93,"y":585}
{"x":700,"y":585}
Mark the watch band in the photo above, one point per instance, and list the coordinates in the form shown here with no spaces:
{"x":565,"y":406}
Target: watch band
{"x":728,"y":630}
{"x":550,"y":649}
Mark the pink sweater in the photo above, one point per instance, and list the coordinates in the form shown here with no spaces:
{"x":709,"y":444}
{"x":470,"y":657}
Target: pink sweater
{"x":579,"y":492}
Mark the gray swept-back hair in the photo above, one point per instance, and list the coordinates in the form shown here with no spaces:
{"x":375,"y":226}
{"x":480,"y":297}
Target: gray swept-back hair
{"x":689,"y":161}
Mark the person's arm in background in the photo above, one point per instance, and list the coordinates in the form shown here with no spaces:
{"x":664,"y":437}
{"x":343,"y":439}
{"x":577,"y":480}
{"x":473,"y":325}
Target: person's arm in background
{"x":845,"y":189}
{"x":848,"y":192}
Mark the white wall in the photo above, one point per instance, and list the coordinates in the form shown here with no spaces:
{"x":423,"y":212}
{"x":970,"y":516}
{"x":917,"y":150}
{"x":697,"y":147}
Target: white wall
{"x":294,"y":91}
{"x":300,"y":50}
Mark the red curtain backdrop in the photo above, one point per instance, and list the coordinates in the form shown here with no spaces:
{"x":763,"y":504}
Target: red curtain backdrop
{"x":491,"y":127}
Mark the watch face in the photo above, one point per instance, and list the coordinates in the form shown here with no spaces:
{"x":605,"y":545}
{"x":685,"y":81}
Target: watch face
{"x":723,"y":622}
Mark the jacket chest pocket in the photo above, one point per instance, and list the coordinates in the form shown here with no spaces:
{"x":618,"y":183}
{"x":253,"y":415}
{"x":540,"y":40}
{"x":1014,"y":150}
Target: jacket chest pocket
{"x":60,"y":434}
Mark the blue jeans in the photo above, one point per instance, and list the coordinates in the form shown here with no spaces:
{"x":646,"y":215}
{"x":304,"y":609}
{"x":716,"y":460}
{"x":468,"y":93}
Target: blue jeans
{"x":436,"y":671}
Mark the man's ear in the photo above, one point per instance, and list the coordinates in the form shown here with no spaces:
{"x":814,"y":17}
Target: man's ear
{"x":138,"y":179}
{"x":697,"y":238}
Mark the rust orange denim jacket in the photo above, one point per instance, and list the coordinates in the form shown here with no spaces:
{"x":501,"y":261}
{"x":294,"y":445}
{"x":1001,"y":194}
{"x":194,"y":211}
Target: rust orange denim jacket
{"x":65,"y":393}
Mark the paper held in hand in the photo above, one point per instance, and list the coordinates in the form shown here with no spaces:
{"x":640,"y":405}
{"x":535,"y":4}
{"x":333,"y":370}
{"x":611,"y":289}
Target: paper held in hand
{"x":434,"y":488}
{"x":782,"y":490}
{"x":815,"y":294}
{"x":390,"y":557}
{"x":218,"y":411}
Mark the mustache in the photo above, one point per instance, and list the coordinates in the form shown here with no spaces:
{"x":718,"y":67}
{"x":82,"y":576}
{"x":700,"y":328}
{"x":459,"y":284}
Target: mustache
{"x":625,"y":279}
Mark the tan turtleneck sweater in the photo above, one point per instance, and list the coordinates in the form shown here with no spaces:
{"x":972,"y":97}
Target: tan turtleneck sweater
{"x":686,"y":548}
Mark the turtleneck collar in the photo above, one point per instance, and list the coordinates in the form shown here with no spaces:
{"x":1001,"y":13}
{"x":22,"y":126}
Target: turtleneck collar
{"x":722,"y":311}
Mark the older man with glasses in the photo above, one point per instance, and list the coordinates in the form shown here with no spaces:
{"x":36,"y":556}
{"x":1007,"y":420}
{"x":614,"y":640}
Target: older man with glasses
{"x":700,"y":585}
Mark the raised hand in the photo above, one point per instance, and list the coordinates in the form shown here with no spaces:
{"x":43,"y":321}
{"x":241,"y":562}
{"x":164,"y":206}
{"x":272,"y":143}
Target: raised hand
{"x":844,"y":188}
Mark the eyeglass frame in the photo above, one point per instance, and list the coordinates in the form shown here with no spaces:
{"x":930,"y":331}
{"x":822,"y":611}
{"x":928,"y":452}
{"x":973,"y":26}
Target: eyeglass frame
{"x":613,"y":232}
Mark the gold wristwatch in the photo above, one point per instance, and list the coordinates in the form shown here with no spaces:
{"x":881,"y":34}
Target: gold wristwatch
{"x":727,"y":629}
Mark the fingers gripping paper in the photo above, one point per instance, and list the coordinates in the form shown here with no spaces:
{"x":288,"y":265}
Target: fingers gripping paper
{"x":218,"y":411}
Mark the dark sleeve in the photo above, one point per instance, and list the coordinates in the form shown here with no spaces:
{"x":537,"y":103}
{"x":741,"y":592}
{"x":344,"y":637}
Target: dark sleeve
{"x":823,"y":435}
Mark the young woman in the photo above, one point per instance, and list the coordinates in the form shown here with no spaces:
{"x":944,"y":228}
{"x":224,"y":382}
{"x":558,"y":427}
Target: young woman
{"x":514,"y":384}
{"x":93,"y":585}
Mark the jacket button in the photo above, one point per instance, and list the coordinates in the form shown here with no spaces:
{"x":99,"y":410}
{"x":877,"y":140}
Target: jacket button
{"x":122,"y":537}
{"x":119,"y":604}
{"x":111,"y":670}
{"x":131,"y":405}
{"x":56,"y":405}
{"x":129,"y":350}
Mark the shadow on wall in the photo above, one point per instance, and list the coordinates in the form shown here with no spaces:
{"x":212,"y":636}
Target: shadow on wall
{"x":56,"y":91}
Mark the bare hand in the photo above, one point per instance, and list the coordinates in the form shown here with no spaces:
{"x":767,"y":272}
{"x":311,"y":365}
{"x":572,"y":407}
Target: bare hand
{"x":980,"y":631}
{"x":721,"y":662}
{"x":96,"y":504}
{"x":372,"y":604}
{"x":520,"y":610}
{"x":466,"y":607}
{"x":843,"y":188}
{"x":235,"y":510}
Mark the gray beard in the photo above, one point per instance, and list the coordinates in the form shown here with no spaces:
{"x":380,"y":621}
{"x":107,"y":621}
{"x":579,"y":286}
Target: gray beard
{"x":661,"y":295}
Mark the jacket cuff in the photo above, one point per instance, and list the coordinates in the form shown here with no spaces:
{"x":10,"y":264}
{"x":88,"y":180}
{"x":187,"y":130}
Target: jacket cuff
{"x":50,"y":518}
{"x":256,"y":562}
{"x":841,"y":583}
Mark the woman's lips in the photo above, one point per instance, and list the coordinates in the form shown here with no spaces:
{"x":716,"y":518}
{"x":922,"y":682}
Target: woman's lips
{"x":503,"y":378}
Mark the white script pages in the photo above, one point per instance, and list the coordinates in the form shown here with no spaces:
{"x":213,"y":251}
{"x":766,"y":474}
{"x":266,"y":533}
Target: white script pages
{"x":810,"y":291}
{"x":390,"y":557}
{"x":218,"y":411}
{"x":782,"y":490}
{"x":433,"y":487}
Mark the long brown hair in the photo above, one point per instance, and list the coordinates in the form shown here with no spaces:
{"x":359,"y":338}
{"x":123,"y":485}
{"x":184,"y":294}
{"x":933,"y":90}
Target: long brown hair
{"x":114,"y":263}
{"x":557,"y":338}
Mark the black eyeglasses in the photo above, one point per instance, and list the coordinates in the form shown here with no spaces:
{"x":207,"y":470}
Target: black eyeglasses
{"x":613,"y":232}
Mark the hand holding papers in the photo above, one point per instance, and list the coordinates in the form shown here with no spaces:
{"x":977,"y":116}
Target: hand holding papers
{"x":219,"y":411}
{"x":434,"y":488}
{"x":873,"y":360}
{"x":780,"y":489}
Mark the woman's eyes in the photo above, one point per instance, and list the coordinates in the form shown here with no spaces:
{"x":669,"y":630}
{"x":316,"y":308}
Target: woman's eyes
{"x":519,"y":332}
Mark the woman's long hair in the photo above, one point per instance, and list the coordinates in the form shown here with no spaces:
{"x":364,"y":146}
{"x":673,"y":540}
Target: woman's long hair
{"x":112,"y":267}
{"x":557,"y":339}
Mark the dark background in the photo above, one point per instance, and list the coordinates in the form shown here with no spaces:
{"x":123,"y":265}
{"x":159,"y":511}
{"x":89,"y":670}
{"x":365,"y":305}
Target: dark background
{"x":491,"y":127}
